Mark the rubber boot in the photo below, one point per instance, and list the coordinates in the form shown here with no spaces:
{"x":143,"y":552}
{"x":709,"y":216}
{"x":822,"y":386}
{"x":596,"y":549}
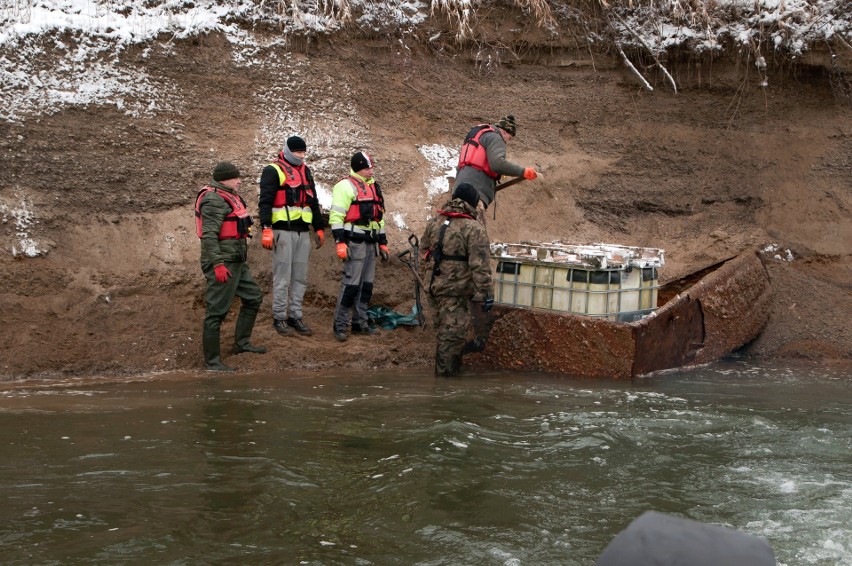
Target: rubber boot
{"x":474,"y":346}
{"x":455,"y":364}
{"x":447,"y":365}
{"x":242,"y":333}
{"x":210,"y":344}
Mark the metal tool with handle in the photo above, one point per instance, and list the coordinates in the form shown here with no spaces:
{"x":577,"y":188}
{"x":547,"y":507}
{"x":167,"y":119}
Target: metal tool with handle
{"x":412,"y":259}
{"x":517,"y":180}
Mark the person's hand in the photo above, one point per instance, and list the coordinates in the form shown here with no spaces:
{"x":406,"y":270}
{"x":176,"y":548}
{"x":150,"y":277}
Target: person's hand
{"x":383,"y":252}
{"x":342,"y":250}
{"x":530,"y":174}
{"x":222,"y":273}
{"x":266,"y":238}
{"x":487,"y":304}
{"x":320,"y":238}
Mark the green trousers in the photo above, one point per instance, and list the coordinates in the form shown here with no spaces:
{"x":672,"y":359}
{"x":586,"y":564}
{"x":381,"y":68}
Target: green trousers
{"x":220,"y":296}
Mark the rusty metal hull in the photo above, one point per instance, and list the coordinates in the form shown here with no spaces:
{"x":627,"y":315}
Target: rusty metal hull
{"x":704,"y":319}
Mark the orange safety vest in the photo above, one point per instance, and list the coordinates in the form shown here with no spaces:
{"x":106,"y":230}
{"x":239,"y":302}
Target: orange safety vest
{"x":236,"y":223}
{"x":368,"y":206}
{"x":473,"y":153}
{"x":295,"y":189}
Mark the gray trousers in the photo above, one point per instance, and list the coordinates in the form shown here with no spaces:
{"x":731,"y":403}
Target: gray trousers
{"x":290,"y":255}
{"x":359,"y":272}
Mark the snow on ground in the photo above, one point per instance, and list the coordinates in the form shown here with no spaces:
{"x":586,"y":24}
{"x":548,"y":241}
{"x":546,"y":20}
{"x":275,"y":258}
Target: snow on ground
{"x":41,"y":73}
{"x":56,"y":54}
{"x":442,"y":160}
{"x":23,"y":217}
{"x":760,"y":26}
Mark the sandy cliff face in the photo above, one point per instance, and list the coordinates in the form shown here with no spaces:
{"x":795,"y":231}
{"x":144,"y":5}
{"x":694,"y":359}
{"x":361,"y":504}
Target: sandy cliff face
{"x":100,"y":258}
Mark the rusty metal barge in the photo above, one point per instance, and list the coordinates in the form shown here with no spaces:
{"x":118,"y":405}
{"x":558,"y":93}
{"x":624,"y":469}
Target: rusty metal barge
{"x":601,"y":313}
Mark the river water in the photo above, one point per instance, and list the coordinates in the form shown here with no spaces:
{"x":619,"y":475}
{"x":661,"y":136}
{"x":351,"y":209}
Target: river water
{"x":401,"y":468}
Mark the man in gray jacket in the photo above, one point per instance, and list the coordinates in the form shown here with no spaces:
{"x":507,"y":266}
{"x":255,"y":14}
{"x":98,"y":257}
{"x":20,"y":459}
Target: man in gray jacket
{"x":482,"y":160}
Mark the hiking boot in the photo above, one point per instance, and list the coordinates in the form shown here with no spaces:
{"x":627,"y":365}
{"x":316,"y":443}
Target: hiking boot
{"x":299,"y":326}
{"x":281,"y":328}
{"x":364,"y":330}
{"x":340,"y":335}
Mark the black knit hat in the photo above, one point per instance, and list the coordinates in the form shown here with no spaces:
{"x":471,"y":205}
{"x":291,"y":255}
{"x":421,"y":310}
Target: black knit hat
{"x":295,"y":143}
{"x":224,"y":171}
{"x":467,"y":193}
{"x":361,"y":160}
{"x":507,"y":123}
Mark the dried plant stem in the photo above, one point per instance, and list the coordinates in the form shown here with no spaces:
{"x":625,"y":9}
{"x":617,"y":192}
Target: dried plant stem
{"x":540,"y":10}
{"x":634,"y":69}
{"x":340,"y":10}
{"x":641,"y":41}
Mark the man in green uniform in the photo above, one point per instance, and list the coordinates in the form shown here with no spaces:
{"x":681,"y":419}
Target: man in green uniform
{"x":223,"y":224}
{"x":458,"y":247}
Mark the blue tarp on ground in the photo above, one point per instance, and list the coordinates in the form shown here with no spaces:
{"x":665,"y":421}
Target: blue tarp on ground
{"x":389,"y":319}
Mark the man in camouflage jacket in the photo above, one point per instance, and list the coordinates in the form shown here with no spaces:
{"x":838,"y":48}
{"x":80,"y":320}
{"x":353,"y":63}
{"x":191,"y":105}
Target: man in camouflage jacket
{"x":457,"y":245}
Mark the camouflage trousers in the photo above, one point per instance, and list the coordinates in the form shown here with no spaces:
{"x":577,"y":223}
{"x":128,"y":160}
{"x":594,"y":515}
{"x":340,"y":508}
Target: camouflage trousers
{"x":452,"y":325}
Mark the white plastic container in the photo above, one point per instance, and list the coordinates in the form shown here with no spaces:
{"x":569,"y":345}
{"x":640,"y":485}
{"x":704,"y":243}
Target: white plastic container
{"x":614,"y":282}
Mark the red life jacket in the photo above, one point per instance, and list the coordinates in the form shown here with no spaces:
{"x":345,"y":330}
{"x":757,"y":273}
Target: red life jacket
{"x":473,"y":153}
{"x":368,"y":206}
{"x":236,"y":223}
{"x":295,"y":191}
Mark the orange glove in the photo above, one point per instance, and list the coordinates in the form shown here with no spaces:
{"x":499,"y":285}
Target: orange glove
{"x":383,"y":252}
{"x":321,"y":238}
{"x":530,"y":174}
{"x":342,"y":250}
{"x":266,"y":238}
{"x":222,"y":273}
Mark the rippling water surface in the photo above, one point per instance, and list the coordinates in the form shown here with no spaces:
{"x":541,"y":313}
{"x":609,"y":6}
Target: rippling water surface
{"x":400,"y":468}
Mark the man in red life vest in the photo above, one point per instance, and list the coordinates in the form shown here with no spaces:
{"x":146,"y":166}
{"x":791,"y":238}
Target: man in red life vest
{"x":288,"y":207}
{"x":482,"y":160}
{"x":358,"y":226}
{"x":223,"y":224}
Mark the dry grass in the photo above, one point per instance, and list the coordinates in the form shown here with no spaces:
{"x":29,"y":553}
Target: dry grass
{"x":463,"y":15}
{"x":340,"y":10}
{"x":623,"y":26}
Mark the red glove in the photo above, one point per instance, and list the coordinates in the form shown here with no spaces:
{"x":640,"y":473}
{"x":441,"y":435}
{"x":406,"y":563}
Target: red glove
{"x":383,"y":251}
{"x":222,"y":273}
{"x":530,"y":174}
{"x":342,"y":250}
{"x":266,"y":238}
{"x":321,"y":238}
